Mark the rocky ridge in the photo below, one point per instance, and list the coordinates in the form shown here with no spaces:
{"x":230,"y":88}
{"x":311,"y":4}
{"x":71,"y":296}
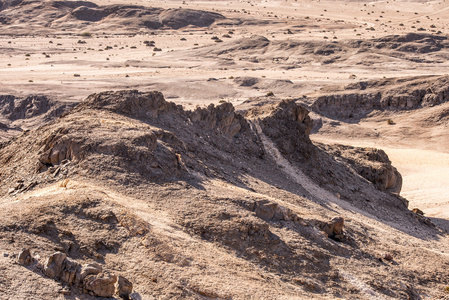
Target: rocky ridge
{"x":159,"y":184}
{"x":356,"y":101}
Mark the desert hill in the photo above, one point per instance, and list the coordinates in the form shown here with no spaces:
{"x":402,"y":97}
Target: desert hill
{"x":224,"y":149}
{"x":176,"y":197}
{"x":73,"y":15}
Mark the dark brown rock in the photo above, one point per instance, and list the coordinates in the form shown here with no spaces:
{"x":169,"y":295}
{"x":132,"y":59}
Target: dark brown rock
{"x":265,"y":209}
{"x":25,"y":257}
{"x":54,"y":265}
{"x":70,"y":268}
{"x":334,"y":228}
{"x":124,"y":287}
{"x":86,"y":270}
{"x":101,"y":285}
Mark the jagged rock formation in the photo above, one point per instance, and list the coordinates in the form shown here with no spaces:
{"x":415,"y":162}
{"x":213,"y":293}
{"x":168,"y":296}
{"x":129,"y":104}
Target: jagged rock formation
{"x":14,"y":108}
{"x":372,"y":164}
{"x":357,"y":100}
{"x":90,"y":277}
{"x":170,"y":193}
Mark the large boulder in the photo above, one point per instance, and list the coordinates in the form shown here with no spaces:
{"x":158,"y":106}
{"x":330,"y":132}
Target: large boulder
{"x":124,"y":287}
{"x":54,"y":265}
{"x":101,"y":285}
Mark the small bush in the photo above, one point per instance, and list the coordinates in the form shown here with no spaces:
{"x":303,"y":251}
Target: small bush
{"x":86,"y":34}
{"x":64,"y":183}
{"x":390,"y":122}
{"x":270,"y":94}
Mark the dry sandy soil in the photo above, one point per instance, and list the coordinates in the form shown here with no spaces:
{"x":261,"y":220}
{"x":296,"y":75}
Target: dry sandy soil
{"x":226,"y":201}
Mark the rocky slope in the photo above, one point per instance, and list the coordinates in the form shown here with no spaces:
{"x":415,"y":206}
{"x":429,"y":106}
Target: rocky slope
{"x":358,"y":100}
{"x":185,"y":204}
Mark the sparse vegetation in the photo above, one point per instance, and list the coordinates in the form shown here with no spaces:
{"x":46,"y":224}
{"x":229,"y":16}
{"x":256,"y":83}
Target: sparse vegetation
{"x":64,"y":183}
{"x":86,"y":34}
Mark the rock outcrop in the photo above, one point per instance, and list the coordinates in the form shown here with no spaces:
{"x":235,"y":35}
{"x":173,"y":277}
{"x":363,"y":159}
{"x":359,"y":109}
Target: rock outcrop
{"x":334,"y":228}
{"x":387,"y":94}
{"x":25,"y":257}
{"x":372,"y":164}
{"x":286,"y":123}
{"x":13,"y":108}
{"x":91,"y":277}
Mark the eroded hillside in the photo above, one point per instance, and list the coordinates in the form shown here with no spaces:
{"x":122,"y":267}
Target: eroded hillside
{"x":187,"y":203}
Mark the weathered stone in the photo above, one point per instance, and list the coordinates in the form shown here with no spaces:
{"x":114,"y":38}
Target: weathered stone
{"x":124,"y":287}
{"x":54,"y":265}
{"x":372,"y":164}
{"x":221,"y":118}
{"x":69,"y":270}
{"x":54,"y":157}
{"x":265,"y":209}
{"x":387,"y":256}
{"x":25,"y":257}
{"x":86,"y":270}
{"x":334,"y":228}
{"x":101,"y":285}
